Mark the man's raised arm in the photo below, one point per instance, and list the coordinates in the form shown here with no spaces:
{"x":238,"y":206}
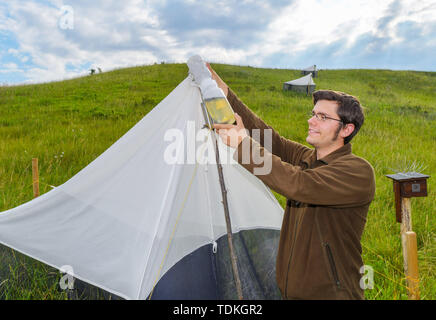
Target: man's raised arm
{"x":284,"y":148}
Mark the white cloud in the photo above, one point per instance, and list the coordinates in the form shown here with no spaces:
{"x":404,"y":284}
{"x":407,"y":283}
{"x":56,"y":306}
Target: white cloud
{"x":309,"y":22}
{"x":113,"y":34}
{"x":10,"y":68}
{"x":51,"y":49}
{"x":10,"y":65}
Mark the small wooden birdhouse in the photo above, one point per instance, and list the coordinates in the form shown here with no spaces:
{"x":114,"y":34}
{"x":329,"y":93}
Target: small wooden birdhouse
{"x":408,"y":185}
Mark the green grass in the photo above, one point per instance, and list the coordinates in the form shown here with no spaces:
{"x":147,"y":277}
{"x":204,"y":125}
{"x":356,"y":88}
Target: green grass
{"x":67,"y":124}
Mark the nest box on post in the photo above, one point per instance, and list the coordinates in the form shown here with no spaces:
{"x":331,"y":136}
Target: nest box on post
{"x":408,"y":185}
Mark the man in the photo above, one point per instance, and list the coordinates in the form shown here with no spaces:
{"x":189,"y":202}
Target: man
{"x":328,"y":191}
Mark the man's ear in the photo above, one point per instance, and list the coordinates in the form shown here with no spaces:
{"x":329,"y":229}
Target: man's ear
{"x":347,"y":130}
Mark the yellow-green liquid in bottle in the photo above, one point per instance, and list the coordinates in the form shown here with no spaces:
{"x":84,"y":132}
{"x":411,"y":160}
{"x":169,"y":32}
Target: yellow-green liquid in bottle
{"x":220,"y":110}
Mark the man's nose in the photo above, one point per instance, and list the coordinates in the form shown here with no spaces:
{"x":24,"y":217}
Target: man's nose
{"x":312,"y":121}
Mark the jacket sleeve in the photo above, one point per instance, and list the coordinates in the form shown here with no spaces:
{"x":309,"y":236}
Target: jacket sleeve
{"x":288,"y":150}
{"x":343,"y":183}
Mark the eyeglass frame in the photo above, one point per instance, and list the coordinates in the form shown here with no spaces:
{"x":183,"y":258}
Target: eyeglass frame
{"x":316,"y":115}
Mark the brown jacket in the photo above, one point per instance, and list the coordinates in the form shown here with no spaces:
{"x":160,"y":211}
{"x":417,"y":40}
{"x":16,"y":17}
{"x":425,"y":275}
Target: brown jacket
{"x":319,"y":254}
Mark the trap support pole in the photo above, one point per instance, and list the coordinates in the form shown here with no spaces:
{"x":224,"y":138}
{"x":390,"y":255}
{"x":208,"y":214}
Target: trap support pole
{"x":233,"y":258}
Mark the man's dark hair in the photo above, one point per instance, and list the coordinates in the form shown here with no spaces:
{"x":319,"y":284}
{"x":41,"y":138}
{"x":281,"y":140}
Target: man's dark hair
{"x":349,"y":108}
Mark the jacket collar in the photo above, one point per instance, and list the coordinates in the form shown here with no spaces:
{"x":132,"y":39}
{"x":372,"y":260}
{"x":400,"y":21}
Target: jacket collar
{"x":342,"y":151}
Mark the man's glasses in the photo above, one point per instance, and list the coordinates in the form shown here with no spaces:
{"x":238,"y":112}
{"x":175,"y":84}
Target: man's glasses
{"x":321,"y":116}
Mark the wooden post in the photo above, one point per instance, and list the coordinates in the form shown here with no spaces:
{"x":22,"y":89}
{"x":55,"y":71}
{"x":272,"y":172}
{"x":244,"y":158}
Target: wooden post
{"x":411,"y":260}
{"x":410,"y":250}
{"x":71,"y":294}
{"x":408,"y":185}
{"x":35,"y":175}
{"x":406,"y":217}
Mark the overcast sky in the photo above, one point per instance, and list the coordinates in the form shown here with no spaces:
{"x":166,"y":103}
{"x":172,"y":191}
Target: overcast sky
{"x":45,"y":40}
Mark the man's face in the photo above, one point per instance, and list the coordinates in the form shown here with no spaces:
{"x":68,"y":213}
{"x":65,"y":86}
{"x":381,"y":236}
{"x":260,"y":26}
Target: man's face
{"x":324,"y":133}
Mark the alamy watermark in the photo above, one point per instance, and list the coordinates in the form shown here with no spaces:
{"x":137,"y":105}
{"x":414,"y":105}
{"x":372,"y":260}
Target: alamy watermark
{"x":191,"y":146}
{"x":367,"y":280}
{"x":66,"y":19}
{"x":67,"y":281}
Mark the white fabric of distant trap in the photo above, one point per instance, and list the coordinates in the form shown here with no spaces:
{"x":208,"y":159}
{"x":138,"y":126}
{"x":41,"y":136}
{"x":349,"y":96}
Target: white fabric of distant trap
{"x":311,"y":68}
{"x":113,"y":221}
{"x":303,"y":81}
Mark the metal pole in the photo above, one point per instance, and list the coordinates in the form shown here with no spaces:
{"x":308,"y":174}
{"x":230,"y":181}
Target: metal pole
{"x":226,"y":207}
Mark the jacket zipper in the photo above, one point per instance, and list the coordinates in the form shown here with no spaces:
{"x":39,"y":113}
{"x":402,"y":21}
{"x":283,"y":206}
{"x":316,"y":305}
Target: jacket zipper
{"x":332,"y":264}
{"x":290,"y":258}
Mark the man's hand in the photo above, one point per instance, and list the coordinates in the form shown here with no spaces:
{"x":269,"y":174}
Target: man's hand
{"x":232,"y":135}
{"x":218,"y":80}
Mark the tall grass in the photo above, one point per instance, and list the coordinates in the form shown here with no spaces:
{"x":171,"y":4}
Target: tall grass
{"x":68,"y":124}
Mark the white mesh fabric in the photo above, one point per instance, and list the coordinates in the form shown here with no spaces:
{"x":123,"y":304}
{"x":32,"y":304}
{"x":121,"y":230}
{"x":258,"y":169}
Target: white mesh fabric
{"x":129,"y":216}
{"x":303,"y":81}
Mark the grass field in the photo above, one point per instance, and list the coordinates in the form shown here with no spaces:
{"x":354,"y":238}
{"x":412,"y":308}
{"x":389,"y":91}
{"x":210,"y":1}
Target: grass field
{"x":67,"y":124}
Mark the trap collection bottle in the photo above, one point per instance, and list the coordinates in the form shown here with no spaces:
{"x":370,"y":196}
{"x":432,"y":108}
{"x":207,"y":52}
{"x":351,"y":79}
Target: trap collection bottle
{"x":217,"y":106}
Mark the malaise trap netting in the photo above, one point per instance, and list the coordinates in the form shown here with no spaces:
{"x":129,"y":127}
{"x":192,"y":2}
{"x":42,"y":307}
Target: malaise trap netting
{"x":203,"y":274}
{"x":145,"y":221}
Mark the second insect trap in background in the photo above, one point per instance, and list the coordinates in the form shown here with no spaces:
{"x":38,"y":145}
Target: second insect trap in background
{"x":216,"y":103}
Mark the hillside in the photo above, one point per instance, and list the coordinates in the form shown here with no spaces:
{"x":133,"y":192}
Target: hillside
{"x":67,"y":124}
